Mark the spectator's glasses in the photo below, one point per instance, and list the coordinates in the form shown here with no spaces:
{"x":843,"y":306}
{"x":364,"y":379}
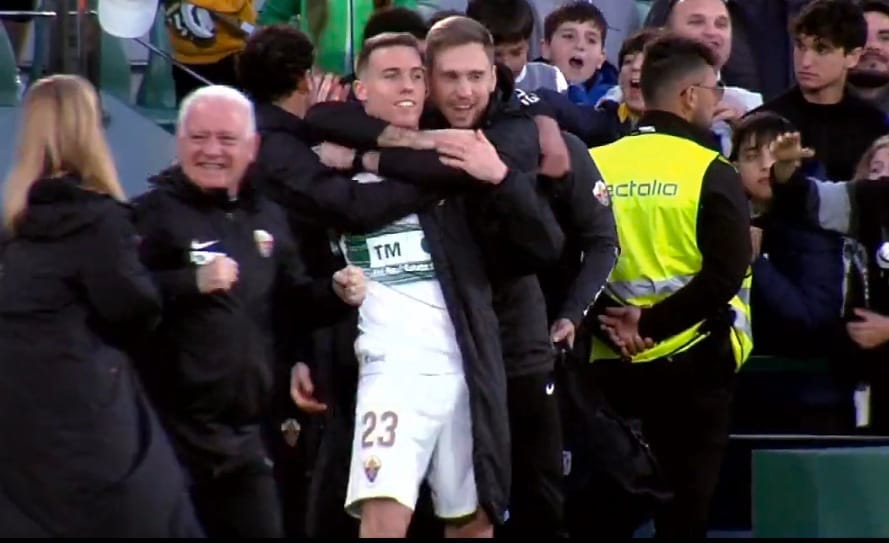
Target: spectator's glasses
{"x":718,"y":90}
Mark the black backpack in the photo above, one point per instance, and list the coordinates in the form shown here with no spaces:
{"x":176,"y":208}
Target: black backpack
{"x":612,"y":480}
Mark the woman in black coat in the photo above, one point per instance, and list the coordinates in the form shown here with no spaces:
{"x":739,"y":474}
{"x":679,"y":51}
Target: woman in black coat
{"x":81,"y":451}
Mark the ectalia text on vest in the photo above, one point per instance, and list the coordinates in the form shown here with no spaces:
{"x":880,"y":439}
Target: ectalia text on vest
{"x":650,"y":188}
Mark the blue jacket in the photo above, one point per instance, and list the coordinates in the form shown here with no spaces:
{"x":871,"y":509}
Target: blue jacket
{"x":590,"y":91}
{"x":797,"y":294}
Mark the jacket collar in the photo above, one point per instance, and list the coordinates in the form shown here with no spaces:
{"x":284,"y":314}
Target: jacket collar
{"x":174,"y":181}
{"x":668,"y":123}
{"x":606,"y":75}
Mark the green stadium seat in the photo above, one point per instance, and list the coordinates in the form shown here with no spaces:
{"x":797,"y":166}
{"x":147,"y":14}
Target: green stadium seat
{"x":9,"y":89}
{"x":821,"y":493}
{"x":156,"y":96}
{"x":114,"y":69}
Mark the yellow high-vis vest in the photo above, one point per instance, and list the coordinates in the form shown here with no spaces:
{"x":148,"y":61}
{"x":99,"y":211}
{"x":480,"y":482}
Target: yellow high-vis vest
{"x":655,"y":183}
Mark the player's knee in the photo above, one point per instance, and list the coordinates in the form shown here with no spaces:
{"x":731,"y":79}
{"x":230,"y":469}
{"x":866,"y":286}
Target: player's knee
{"x":476,"y":526}
{"x":384,"y":518}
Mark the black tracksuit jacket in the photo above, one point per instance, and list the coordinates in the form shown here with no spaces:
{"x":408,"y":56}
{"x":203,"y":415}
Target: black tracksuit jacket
{"x":213,"y":358}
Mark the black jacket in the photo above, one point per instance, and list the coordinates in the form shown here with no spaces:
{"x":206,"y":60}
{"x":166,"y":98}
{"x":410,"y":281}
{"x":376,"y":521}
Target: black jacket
{"x":214,"y":354}
{"x":583,"y":209}
{"x":291,"y":175}
{"x":83,"y":453}
{"x":285,"y":148}
{"x":518,"y":298}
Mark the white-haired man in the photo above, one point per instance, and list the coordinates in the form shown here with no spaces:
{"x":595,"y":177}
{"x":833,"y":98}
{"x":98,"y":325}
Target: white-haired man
{"x":227,"y":266}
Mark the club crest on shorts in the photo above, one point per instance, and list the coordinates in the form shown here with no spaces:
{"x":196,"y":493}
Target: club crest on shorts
{"x":264,"y":242}
{"x":600,"y":191}
{"x":372,"y":467}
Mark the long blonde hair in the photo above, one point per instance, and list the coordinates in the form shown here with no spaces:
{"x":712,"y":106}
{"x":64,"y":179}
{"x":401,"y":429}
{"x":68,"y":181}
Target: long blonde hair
{"x":862,"y":171}
{"x":61,"y":133}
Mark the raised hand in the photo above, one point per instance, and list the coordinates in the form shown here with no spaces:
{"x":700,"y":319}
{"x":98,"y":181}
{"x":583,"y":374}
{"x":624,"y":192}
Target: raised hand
{"x":789,"y":152}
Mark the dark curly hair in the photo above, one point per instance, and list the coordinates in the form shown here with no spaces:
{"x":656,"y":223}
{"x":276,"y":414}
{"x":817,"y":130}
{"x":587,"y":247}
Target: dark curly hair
{"x":508,"y":21}
{"x":396,"y":19}
{"x":840,"y":23}
{"x":274,"y":62}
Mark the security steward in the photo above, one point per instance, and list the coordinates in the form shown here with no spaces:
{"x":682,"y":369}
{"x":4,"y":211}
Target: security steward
{"x":674,"y":323}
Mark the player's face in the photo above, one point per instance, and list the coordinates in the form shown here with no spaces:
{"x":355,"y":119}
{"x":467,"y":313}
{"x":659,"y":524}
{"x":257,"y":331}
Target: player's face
{"x":462,"y":80}
{"x":392,"y":86}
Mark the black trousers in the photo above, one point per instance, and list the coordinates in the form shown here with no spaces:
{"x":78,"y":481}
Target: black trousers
{"x":326,"y":515}
{"x":537,"y":498}
{"x":684,"y":407}
{"x":242,"y":502}
{"x":221,"y":72}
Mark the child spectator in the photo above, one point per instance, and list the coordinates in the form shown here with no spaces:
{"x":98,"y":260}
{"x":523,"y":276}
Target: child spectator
{"x":624,"y":19}
{"x":574,"y":41}
{"x":626,"y":99}
{"x":802,"y":276}
{"x":511,"y":23}
{"x":619,"y":110}
{"x":797,"y":271}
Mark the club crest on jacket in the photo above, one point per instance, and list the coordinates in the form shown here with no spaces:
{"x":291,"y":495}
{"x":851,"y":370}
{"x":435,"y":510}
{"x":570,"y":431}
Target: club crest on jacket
{"x":264,"y":242}
{"x":600,"y":191}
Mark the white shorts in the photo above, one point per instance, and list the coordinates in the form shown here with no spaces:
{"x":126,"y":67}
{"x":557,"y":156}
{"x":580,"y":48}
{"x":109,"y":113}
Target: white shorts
{"x":409,"y":428}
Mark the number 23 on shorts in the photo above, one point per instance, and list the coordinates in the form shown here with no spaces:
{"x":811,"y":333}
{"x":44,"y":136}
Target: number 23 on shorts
{"x":383,"y":436}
